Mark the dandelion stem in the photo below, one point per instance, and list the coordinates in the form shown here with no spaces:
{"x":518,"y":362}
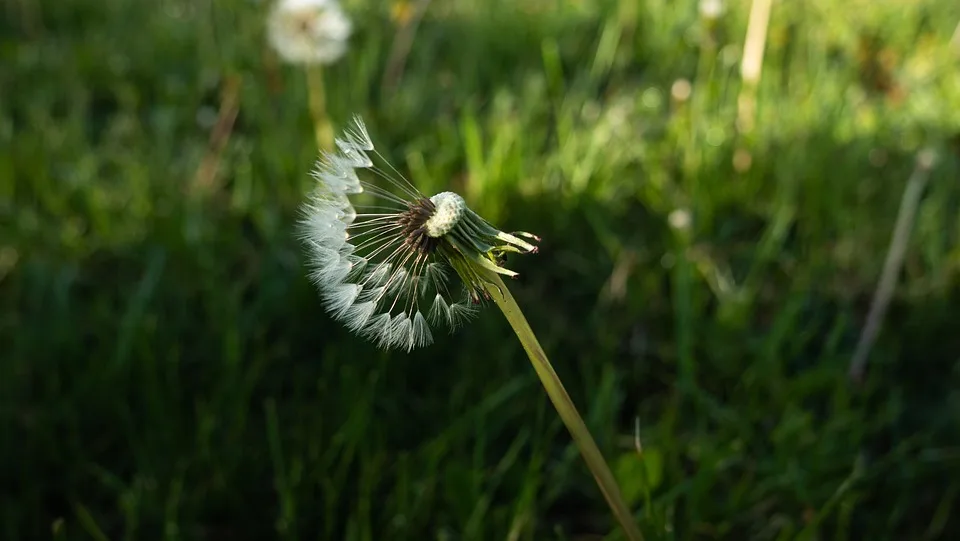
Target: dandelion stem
{"x":564,"y":405}
{"x":318,"y":108}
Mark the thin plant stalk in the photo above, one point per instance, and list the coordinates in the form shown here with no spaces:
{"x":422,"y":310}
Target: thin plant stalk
{"x":318,"y":108}
{"x":205,"y":179}
{"x":752,"y":64}
{"x":893,"y":263}
{"x":402,"y":43}
{"x":564,"y":405}
{"x":955,"y":40}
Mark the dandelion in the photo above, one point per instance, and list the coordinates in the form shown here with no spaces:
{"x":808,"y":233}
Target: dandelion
{"x":711,"y":9}
{"x":308,"y":31}
{"x":389,"y":269}
{"x":679,"y":219}
{"x":311,"y":33}
{"x":392,"y":264}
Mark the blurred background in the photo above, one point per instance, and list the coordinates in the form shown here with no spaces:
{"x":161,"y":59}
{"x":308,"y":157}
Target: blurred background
{"x":713,"y":237}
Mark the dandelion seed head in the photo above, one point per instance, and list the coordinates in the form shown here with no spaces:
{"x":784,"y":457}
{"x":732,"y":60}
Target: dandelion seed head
{"x":381,"y":254}
{"x":711,"y":9}
{"x":308,"y":31}
{"x":376,"y":268}
{"x":680,"y":219}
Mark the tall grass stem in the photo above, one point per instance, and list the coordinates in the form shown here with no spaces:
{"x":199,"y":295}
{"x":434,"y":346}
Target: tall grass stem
{"x":893,"y":263}
{"x":752,"y":63}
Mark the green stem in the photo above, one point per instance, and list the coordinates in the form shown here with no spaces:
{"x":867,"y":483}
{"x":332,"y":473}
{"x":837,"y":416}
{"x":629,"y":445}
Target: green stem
{"x":564,"y":405}
{"x":318,"y":108}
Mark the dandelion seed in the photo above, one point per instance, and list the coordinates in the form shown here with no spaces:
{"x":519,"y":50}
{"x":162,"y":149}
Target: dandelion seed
{"x":308,"y":31}
{"x":381,"y":256}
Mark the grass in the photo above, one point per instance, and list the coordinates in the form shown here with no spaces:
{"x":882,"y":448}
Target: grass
{"x":168,"y":372}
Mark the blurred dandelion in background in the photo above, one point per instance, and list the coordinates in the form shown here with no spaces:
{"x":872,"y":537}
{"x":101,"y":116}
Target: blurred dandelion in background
{"x":711,"y":9}
{"x":680,"y":90}
{"x":680,"y":219}
{"x":311,"y":33}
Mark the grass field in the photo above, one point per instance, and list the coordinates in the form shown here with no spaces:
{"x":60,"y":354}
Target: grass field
{"x":168,"y":371}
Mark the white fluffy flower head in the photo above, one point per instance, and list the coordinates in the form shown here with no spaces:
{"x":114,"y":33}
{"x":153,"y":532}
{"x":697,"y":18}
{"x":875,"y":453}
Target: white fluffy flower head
{"x":308,"y":31}
{"x":392,"y":264}
{"x":711,"y":9}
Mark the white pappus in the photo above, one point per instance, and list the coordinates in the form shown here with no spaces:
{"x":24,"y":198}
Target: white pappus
{"x":308,"y":31}
{"x":382,"y":259}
